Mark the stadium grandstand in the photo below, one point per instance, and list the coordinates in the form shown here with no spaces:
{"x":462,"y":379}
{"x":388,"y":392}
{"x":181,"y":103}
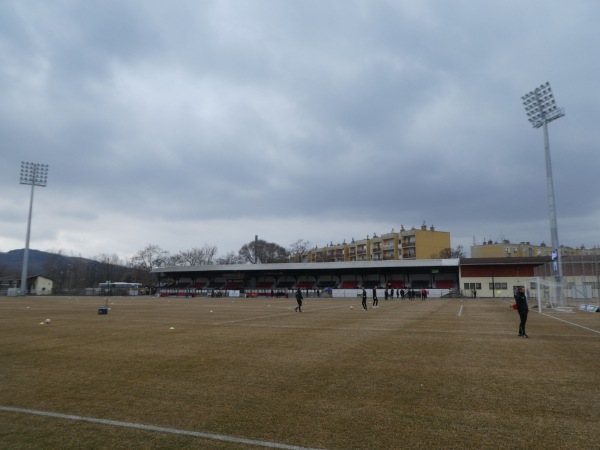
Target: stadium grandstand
{"x":439,"y":276}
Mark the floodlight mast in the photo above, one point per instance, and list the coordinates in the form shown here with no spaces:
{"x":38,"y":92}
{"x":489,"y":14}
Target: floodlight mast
{"x":541,"y":109}
{"x":35,"y":175}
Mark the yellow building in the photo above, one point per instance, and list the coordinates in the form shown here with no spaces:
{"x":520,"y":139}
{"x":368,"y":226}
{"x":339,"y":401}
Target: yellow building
{"x":423,"y":243}
{"x":359,"y":250}
{"x":508,"y":249}
{"x":415,"y":243}
{"x":331,"y":253}
{"x":385,"y":247}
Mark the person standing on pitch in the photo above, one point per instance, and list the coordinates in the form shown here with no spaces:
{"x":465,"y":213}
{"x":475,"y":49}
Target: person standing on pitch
{"x":299,"y":300}
{"x":375,"y":301}
{"x":364,"y":299}
{"x":522,"y":309}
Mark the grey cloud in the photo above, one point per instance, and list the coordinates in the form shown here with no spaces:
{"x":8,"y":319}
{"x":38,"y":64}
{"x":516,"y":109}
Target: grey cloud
{"x":274,"y":112}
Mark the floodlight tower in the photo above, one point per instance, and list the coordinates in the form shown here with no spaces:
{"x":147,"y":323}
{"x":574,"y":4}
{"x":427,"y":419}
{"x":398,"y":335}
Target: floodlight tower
{"x":35,"y":175}
{"x":541,"y":110}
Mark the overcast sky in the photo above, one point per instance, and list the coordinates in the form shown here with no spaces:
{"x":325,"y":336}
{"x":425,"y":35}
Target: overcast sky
{"x":186,"y":123}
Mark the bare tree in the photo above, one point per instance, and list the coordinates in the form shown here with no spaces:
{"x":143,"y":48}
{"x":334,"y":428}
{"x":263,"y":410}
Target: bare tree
{"x":111,"y":267}
{"x":150,"y":257}
{"x":172,"y":260}
{"x":230,"y":258}
{"x":299,"y":248}
{"x":261,"y":251}
{"x":196,"y":256}
{"x":56,"y":267}
{"x":449,"y":253}
{"x":68,"y":273}
{"x":77,"y":268}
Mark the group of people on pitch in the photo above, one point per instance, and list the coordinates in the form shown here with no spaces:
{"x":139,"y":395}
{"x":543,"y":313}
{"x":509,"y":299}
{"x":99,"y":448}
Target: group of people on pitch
{"x":520,"y":305}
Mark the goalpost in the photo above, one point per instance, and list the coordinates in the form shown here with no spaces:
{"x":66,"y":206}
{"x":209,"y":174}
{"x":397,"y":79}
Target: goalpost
{"x":550,"y":295}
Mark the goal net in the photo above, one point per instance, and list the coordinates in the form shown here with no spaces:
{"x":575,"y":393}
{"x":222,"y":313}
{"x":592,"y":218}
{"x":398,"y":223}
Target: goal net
{"x":550,"y":295}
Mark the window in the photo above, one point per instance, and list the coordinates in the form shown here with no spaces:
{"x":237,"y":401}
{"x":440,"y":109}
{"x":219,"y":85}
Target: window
{"x":498,"y":286}
{"x":471,"y":286}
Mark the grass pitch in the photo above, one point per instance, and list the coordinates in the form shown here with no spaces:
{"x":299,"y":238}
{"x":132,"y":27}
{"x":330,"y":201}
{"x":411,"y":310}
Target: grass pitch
{"x":448,"y":374}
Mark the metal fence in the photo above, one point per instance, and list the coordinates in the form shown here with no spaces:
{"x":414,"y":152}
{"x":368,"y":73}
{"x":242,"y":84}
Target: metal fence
{"x":581,"y":276}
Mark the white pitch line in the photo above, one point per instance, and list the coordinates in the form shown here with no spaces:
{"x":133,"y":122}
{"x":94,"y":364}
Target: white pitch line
{"x":273,"y":315}
{"x":252,"y":318}
{"x":460,"y":310}
{"x":138,"y":426}
{"x":312,"y":327}
{"x":571,"y":323}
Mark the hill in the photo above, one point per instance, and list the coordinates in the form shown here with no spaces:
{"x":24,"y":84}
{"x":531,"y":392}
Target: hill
{"x":67,"y":272}
{"x":40,"y":262}
{"x":11,"y":262}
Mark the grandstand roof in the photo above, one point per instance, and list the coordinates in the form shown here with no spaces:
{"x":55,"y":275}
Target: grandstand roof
{"x":308,"y":268}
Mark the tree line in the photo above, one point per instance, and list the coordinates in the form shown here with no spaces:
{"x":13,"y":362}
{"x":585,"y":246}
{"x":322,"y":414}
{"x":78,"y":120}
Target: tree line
{"x":72,"y":274}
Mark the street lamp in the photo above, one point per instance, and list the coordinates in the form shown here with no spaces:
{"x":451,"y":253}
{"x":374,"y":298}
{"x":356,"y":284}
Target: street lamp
{"x":541,"y":110}
{"x":35,"y":175}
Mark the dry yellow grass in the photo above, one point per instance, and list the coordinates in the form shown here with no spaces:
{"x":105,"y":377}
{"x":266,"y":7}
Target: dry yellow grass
{"x":406,"y":375}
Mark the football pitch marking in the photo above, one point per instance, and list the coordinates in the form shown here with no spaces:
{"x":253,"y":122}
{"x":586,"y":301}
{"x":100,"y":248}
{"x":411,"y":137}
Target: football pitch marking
{"x":252,"y":318}
{"x":139,"y":426}
{"x":570,"y":323}
{"x":287,"y":313}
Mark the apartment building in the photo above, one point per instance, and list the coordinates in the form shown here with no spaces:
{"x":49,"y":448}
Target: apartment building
{"x":422,"y":243}
{"x":507,"y":249}
{"x":331,"y":253}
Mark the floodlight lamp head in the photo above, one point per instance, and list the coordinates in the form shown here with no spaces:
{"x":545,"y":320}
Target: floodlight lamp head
{"x":540,"y":106}
{"x":34,"y":174}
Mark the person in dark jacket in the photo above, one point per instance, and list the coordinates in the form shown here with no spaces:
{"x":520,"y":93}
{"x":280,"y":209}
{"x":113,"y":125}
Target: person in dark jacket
{"x":522,"y":309}
{"x":299,"y":300}
{"x":364,"y":299}
{"x":375,"y":300}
